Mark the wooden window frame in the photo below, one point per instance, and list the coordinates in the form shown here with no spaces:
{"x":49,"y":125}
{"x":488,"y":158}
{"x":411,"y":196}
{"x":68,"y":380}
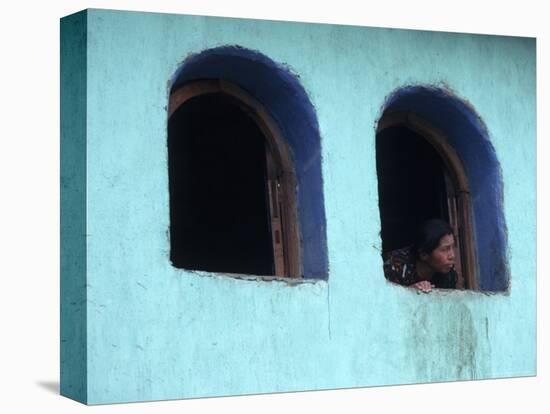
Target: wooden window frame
{"x":280,"y":171}
{"x":458,"y":191}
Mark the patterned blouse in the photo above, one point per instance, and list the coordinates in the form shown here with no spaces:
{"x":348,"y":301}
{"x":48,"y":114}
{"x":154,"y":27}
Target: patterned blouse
{"x":400,"y":268}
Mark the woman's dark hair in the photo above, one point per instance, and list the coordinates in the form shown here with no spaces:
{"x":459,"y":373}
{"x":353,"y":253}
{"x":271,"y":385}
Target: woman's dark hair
{"x":429,"y":234}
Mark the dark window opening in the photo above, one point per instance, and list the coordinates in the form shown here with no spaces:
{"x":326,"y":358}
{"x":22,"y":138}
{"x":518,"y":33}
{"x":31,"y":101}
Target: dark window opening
{"x":411,"y":185}
{"x":220,"y":211}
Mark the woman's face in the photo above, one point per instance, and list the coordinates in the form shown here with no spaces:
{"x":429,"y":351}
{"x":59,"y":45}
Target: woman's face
{"x":442,"y":258}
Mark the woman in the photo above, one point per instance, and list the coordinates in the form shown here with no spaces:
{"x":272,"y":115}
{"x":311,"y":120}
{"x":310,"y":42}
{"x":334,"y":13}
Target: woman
{"x":429,"y":262}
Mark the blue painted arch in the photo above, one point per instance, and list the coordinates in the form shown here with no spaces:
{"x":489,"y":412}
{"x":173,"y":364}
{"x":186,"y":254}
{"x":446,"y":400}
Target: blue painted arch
{"x":469,"y":137}
{"x":282,"y":95}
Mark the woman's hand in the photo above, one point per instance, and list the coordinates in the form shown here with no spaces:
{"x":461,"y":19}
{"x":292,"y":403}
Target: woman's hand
{"x":424,"y":286}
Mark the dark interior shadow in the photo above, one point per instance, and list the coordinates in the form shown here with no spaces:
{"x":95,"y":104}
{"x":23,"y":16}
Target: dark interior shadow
{"x":51,"y":386}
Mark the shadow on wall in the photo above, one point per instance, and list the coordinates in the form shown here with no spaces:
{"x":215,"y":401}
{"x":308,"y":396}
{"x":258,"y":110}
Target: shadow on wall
{"x":50,"y":386}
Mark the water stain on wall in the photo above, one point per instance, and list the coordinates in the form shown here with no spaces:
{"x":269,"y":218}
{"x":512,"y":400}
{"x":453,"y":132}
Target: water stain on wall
{"x":440,"y":352}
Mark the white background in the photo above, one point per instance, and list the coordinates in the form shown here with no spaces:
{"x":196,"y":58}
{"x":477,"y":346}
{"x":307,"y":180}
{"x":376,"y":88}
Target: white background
{"x":29,"y":216}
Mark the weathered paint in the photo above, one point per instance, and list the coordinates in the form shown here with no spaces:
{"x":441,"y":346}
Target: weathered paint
{"x":156,"y":332}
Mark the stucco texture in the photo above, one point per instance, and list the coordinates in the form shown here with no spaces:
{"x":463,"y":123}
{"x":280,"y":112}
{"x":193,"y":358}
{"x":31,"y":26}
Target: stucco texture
{"x":154,"y":332}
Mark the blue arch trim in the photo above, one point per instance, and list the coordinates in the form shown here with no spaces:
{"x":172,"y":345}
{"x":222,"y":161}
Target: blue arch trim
{"x":468,"y":135}
{"x":280,"y":92}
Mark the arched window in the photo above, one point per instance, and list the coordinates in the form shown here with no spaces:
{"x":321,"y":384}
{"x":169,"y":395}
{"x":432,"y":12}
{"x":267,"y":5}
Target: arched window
{"x":435,"y":159}
{"x":421,"y":177}
{"x":231,"y":179}
{"x":246,"y":191}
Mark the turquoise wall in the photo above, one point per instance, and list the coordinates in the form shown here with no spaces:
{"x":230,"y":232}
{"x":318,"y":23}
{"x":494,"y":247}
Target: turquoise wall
{"x":73,"y":345}
{"x":156,"y":332}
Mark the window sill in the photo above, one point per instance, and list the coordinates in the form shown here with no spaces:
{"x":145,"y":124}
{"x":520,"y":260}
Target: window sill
{"x":292,"y":281}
